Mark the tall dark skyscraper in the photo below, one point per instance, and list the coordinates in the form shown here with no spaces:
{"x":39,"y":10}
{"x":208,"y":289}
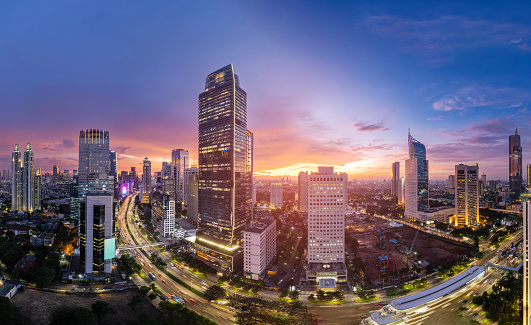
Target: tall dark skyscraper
{"x":113,"y":171}
{"x":515,"y":165}
{"x":225,"y":160}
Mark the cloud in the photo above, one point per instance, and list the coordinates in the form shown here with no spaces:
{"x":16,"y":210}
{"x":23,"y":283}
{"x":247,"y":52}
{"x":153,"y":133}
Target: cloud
{"x":370,"y":126}
{"x":122,"y":150}
{"x":438,"y":118}
{"x":436,"y":40}
{"x":68,"y":143}
{"x":474,"y":96}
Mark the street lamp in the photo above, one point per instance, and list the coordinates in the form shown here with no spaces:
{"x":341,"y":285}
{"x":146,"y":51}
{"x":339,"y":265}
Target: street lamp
{"x":191,"y":281}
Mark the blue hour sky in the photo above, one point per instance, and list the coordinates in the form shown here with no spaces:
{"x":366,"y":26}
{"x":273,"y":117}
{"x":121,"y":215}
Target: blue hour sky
{"x":328,"y":83}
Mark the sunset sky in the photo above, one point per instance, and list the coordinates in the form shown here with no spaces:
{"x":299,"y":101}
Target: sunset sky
{"x":328,"y":83}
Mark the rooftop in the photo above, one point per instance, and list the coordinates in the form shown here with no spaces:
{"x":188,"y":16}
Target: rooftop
{"x":259,"y":227}
{"x":326,"y":267}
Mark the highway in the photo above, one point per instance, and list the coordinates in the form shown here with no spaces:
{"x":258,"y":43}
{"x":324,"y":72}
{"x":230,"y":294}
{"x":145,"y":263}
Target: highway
{"x":166,"y":285}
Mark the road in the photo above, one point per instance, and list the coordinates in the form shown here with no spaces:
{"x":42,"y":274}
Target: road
{"x":166,"y":285}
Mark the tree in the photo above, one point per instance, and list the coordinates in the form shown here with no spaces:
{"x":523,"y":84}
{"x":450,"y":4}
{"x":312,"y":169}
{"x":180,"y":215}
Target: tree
{"x":152,"y":296}
{"x":73,"y":316}
{"x":294,"y":295}
{"x":284,"y":293}
{"x":144,"y":290}
{"x":11,"y":314}
{"x":100,"y":309}
{"x":321,"y":296}
{"x":44,"y":277}
{"x":215,"y":292}
{"x":177,"y":314}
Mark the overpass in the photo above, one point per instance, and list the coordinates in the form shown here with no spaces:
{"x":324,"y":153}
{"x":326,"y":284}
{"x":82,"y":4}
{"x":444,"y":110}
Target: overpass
{"x":139,"y":246}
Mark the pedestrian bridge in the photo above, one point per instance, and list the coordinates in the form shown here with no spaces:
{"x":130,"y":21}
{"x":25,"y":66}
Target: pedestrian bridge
{"x":506,"y":268}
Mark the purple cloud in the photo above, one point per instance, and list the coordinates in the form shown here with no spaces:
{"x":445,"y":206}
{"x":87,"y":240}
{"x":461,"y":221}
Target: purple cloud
{"x":370,"y":126}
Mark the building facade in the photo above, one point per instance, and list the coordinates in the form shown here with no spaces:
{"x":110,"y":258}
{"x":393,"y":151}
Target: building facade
{"x":416,"y":179}
{"x":187,"y":173}
{"x":16,"y":183}
{"x":169,"y":216}
{"x":93,"y":171}
{"x":97,"y":243}
{"x":515,"y":165}
{"x":113,"y":171}
{"x":276,"y":195}
{"x":225,"y":186}
{"x":259,"y":248}
{"x":302,"y":200}
{"x":180,"y":159}
{"x":327,"y":200}
{"x":193,"y":196}
{"x":25,"y":182}
{"x":526,"y":246}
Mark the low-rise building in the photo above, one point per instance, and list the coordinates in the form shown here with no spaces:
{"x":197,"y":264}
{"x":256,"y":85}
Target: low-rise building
{"x":41,"y":238}
{"x":259,"y":247}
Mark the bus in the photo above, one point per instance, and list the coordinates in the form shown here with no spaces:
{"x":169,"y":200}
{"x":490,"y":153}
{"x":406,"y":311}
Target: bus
{"x":177,"y":299}
{"x":152,"y":276}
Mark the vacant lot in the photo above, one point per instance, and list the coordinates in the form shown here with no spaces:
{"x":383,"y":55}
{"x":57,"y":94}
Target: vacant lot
{"x":39,"y":305}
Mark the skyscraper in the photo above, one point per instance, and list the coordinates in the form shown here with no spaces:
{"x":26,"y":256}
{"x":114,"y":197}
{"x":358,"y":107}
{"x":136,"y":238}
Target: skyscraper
{"x":93,"y":171}
{"x":451,"y":184}
{"x":416,"y":188}
{"x":526,"y":247}
{"x":276,"y":195}
{"x":97,"y":246}
{"x":395,"y":179}
{"x":186,"y":179}
{"x":466,"y":195}
{"x":327,"y":200}
{"x":113,"y":171}
{"x":180,"y":160}
{"x":56,"y":173}
{"x":191,"y":212}
{"x":225,"y":187}
{"x":528,"y":175}
{"x":302,"y":204}
{"x":28,"y":180}
{"x":37,"y":190}
{"x":146,"y":181}
{"x":515,"y":165}
{"x":16,"y":184}
{"x":168,"y":205}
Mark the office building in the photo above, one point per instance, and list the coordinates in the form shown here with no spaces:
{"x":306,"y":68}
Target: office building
{"x":169,"y":216}
{"x":402,"y":191}
{"x":327,"y":200}
{"x":93,"y":171}
{"x":56,"y":177}
{"x":37,"y":190}
{"x":276,"y":195}
{"x":187,"y":173}
{"x":395,"y":179}
{"x":466,"y":195}
{"x":225,"y":179}
{"x":180,"y":160}
{"x":191,"y":210}
{"x":451,"y":184}
{"x":515,"y":165}
{"x":146,"y":181}
{"x":526,"y":246}
{"x":28,"y":180}
{"x":259,"y":248}
{"x":113,"y":171}
{"x":416,"y":176}
{"x":528,"y":174}
{"x":133,"y":178}
{"x":97,"y":243}
{"x":302,"y":200}
{"x":16,"y":183}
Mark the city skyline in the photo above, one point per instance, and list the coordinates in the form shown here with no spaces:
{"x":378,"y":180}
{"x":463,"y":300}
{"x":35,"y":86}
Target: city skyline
{"x":463,"y":96}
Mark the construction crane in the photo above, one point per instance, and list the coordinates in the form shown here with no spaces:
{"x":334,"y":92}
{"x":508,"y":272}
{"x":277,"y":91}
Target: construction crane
{"x":413,"y":244}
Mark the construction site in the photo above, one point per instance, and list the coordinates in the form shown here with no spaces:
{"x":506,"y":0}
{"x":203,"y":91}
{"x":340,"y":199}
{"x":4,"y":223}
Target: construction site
{"x":388,"y":249}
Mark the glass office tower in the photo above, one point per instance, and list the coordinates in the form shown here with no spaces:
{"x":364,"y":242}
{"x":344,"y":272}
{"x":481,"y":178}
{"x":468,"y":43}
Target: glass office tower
{"x":225,"y":186}
{"x":417,"y":150}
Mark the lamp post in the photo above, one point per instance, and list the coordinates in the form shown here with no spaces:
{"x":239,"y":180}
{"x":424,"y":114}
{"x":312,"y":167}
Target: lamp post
{"x":191,"y":281}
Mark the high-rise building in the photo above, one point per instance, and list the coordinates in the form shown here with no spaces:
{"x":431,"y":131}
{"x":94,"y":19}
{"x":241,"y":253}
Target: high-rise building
{"x":133,"y":178}
{"x":327,"y":200}
{"x":97,"y":243}
{"x":466,"y":195}
{"x":225,"y":200}
{"x":515,"y":165}
{"x":526,"y":250}
{"x":402,"y":191}
{"x":16,"y":184}
{"x":187,"y":173}
{"x":37,"y":190}
{"x":528,"y":175}
{"x":395,"y":179}
{"x":146,"y":181}
{"x":276,"y":195}
{"x":259,"y":248}
{"x":416,"y":188}
{"x":168,"y":206}
{"x":28,"y":180}
{"x":180,"y":160}
{"x":113,"y":171}
{"x":93,"y":171}
{"x":302,"y":200}
{"x":56,"y":177}
{"x":451,"y":184}
{"x":191,"y":212}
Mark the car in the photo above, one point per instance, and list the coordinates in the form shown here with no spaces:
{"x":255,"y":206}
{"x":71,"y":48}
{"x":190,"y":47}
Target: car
{"x":160,"y":275}
{"x":464,"y":301}
{"x":163,"y":281}
{"x":193,"y":301}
